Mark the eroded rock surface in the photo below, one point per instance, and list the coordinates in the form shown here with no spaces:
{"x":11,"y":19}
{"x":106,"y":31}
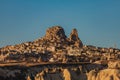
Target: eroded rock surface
{"x":74,"y":38}
{"x":58,"y":57}
{"x":106,"y":74}
{"x":55,"y":33}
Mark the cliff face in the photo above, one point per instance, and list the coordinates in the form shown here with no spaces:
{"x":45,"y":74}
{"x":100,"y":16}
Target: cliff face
{"x":58,"y":57}
{"x":54,"y":36}
{"x":76,"y":73}
{"x":106,"y":74}
{"x":53,"y":41}
{"x":74,"y":38}
{"x":88,"y":72}
{"x":64,"y":72}
{"x":110,"y":73}
{"x":55,"y":33}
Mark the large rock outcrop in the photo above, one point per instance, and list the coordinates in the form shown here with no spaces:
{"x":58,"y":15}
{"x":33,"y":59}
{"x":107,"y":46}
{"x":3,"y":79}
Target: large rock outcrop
{"x":106,"y":74}
{"x":64,"y":74}
{"x":55,"y":33}
{"x":111,"y":73}
{"x":74,"y":38}
{"x":114,"y":64}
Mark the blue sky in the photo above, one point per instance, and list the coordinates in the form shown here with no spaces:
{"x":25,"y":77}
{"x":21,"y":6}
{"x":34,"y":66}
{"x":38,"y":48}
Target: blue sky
{"x":97,"y":21}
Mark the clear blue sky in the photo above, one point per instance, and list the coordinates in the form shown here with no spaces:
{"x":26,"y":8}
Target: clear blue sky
{"x":97,"y":21}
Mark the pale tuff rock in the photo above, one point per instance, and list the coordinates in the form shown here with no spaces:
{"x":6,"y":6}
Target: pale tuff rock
{"x":28,"y":78}
{"x":56,"y":48}
{"x":106,"y":74}
{"x":55,"y":41}
{"x":109,"y":74}
{"x":66,"y":74}
{"x":55,"y":33}
{"x":74,"y":38}
{"x":74,"y":35}
{"x":40,"y":76}
{"x":92,"y":75}
{"x":59,"y":73}
{"x":114,"y":64}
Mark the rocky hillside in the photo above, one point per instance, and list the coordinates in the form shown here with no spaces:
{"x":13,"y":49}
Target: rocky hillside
{"x":42,"y":49}
{"x":62,"y":72}
{"x":58,"y":57}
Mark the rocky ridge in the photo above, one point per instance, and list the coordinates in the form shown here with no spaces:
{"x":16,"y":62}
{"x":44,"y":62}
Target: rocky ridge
{"x":53,"y":41}
{"x":56,"y":47}
{"x":55,"y":34}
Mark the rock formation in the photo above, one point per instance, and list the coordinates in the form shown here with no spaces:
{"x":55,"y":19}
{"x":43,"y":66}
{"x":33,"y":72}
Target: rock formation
{"x":64,"y":74}
{"x":55,"y":36}
{"x":106,"y":74}
{"x":55,"y":33}
{"x":74,"y":36}
{"x":58,"y":57}
{"x":74,"y":39}
{"x":114,"y":64}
